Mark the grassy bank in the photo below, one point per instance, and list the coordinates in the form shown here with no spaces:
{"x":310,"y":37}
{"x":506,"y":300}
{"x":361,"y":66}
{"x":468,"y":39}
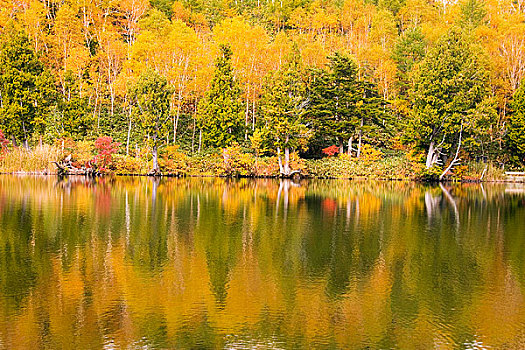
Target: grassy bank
{"x":235,"y":162}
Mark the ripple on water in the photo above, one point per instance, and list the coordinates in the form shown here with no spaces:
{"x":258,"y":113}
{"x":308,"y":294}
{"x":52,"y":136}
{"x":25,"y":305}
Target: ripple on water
{"x":263,"y":264}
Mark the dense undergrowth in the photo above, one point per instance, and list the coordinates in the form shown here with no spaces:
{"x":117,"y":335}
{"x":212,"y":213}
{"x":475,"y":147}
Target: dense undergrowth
{"x":234,"y":161}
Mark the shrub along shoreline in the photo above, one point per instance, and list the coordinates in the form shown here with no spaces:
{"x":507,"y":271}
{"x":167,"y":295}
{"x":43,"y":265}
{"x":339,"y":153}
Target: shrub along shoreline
{"x":234,"y":162}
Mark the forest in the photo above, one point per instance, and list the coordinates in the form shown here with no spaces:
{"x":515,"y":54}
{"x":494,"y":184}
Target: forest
{"x":334,"y":88}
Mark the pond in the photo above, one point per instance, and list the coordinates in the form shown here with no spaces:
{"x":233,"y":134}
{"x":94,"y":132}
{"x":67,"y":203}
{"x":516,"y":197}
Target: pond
{"x":210,"y":263}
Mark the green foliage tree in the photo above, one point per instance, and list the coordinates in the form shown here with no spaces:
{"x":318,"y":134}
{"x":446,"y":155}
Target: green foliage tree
{"x":25,"y":88}
{"x":151,"y":96}
{"x":335,"y":93}
{"x":449,"y":84}
{"x":516,"y":125}
{"x":342,"y":106}
{"x":74,"y":113}
{"x":408,"y":51}
{"x":220,"y":111}
{"x":284,"y":105}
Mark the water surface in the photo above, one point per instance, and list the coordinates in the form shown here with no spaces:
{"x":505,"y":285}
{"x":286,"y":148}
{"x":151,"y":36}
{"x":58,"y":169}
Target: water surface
{"x":260,"y":264}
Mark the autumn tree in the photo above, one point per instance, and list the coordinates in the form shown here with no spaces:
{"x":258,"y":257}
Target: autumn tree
{"x":249,"y":46}
{"x":151,"y":96}
{"x":220,"y":111}
{"x":473,"y":13}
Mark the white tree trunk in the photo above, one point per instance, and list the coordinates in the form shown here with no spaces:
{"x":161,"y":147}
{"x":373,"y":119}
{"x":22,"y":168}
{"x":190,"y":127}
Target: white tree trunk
{"x":360,"y":139}
{"x":359,"y":144}
{"x":431,"y":155}
{"x":280,"y":160}
{"x":286,"y":161}
{"x":200,"y":141}
{"x":455,"y":160}
{"x":129,"y":135}
{"x":176,"y":123}
{"x":154,"y":152}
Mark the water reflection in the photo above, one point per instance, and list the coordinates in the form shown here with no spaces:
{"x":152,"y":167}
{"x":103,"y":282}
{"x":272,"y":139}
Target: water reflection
{"x":218,"y":263}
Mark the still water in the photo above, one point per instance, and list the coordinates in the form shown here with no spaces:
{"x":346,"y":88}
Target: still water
{"x":203,"y":263}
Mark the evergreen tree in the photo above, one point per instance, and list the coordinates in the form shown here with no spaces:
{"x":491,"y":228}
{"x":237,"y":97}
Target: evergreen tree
{"x":151,"y":95}
{"x":335,"y":93}
{"x":516,"y":125}
{"x":74,"y":113}
{"x":220,"y":111}
{"x":342,"y":106}
{"x":450,"y":83}
{"x":284,"y":104}
{"x":25,"y":88}
{"x":408,"y":51}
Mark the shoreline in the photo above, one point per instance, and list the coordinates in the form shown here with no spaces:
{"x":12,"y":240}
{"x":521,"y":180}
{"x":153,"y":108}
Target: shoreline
{"x":302,"y":177}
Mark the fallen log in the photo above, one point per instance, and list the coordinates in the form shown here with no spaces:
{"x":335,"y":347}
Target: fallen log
{"x":66,"y":167}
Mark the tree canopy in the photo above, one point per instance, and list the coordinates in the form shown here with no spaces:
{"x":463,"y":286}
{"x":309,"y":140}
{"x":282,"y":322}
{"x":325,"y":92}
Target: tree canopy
{"x":402,"y":76}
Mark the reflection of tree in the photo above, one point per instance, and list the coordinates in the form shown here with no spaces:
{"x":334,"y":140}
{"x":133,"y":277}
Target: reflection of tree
{"x":452,"y":202}
{"x":284,"y":194}
{"x":202,"y":263}
{"x":17,"y":271}
{"x":222,"y":244}
{"x":432,"y":204}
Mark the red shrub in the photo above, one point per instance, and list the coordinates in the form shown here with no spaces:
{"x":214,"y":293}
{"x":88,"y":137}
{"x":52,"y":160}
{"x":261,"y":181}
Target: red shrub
{"x":330,"y":151}
{"x":105,"y":148}
{"x":3,"y":143}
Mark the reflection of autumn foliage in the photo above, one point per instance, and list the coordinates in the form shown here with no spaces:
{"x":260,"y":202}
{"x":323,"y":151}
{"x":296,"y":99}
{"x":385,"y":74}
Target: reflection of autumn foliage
{"x":103,"y":199}
{"x":90,"y":291}
{"x":369,"y":204}
{"x":329,"y":205}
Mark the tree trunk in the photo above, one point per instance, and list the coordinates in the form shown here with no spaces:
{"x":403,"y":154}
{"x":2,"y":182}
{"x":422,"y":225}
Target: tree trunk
{"x":200,"y":141}
{"x":341,"y":145}
{"x":455,"y":160}
{"x":129,"y":133}
{"x":281,"y":169}
{"x":360,"y":138}
{"x":246,"y":117}
{"x":431,"y":154}
{"x":286,"y":161}
{"x":112,"y":97}
{"x":155,"y":159}
{"x":350,"y":141}
{"x":253,"y":114}
{"x":193,"y":137}
{"x":154,"y":152}
{"x":359,"y":144}
{"x":176,"y":120}
{"x":194,"y":126}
